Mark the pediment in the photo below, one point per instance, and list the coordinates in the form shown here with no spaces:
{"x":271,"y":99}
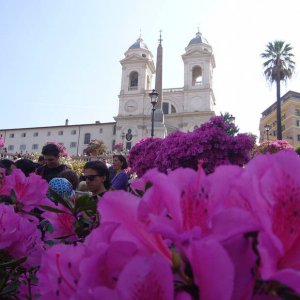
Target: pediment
{"x":134,"y":58}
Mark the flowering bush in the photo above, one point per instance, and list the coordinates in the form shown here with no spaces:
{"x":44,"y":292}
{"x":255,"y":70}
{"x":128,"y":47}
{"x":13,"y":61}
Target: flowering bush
{"x":1,"y":141}
{"x":212,"y":143}
{"x":95,"y":148}
{"x":143,"y":155}
{"x":233,"y":234}
{"x":272,"y":147}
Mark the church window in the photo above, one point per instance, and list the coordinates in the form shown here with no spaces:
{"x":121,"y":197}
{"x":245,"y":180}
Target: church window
{"x":197,"y":76}
{"x":87,"y":138}
{"x":23,"y":134}
{"x":168,"y":108}
{"x":165,"y":108}
{"x":173,"y":109}
{"x":133,"y":80}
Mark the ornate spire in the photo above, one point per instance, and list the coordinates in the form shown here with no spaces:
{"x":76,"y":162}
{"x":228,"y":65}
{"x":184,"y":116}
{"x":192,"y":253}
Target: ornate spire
{"x":160,"y":39}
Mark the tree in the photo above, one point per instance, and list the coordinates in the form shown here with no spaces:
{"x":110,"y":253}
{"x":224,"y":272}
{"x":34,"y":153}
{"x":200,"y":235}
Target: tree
{"x":278,"y":67}
{"x":95,"y":148}
{"x":230,"y":120}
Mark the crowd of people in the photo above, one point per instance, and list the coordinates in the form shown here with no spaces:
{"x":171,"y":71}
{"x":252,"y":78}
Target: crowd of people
{"x":96,"y":179}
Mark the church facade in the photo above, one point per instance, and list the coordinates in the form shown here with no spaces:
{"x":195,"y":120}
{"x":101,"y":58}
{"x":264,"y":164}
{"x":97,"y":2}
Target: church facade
{"x":182,"y":108}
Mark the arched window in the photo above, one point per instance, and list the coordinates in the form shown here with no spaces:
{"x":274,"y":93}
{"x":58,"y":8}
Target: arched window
{"x":197,"y":76}
{"x":168,"y":108}
{"x":133,"y":80}
{"x":87,"y":138}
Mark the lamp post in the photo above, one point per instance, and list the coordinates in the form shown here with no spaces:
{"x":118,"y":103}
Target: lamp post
{"x":154,"y":97}
{"x":267,"y":129}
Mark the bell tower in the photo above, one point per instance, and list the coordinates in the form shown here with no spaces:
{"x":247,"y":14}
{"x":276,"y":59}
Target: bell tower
{"x":138,"y":70}
{"x":199,"y":63}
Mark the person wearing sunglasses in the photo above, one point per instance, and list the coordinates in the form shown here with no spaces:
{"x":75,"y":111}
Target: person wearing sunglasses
{"x":96,"y":176}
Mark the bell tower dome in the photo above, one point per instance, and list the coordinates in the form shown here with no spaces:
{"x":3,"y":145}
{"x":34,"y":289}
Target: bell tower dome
{"x":199,"y":63}
{"x":137,"y":69}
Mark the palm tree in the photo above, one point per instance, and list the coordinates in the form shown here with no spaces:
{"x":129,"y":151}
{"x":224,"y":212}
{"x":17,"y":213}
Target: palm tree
{"x":278,"y":67}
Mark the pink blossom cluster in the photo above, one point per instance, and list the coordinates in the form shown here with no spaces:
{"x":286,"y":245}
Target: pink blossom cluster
{"x":211,"y":143}
{"x":143,"y":155}
{"x":19,"y":237}
{"x":30,"y":192}
{"x":272,"y":147}
{"x":1,"y":141}
{"x":232,"y":234}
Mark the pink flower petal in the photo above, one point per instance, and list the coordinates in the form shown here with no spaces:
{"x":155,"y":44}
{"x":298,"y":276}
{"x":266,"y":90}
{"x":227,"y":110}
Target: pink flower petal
{"x":146,"y":278}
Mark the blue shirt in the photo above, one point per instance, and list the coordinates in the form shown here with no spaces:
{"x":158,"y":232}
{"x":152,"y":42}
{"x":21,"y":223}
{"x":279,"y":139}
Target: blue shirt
{"x":120,"y":181}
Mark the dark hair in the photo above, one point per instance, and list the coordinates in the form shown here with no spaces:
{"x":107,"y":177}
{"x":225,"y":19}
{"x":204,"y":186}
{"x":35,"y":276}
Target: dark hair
{"x":123,"y":160}
{"x":50,"y":149}
{"x":6,"y":163}
{"x":41,"y":159}
{"x":71,"y":176}
{"x":26,"y":166}
{"x":101,"y":170}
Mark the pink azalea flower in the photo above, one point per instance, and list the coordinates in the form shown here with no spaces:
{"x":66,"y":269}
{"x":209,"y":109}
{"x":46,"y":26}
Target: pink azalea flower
{"x":102,"y":266}
{"x":273,"y":185}
{"x":146,"y":278}
{"x":26,"y":189}
{"x":59,"y":273}
{"x":213,"y":270}
{"x":184,"y":203}
{"x":5,"y":185}
{"x":122,"y":208}
{"x":19,"y":237}
{"x":63,"y":224}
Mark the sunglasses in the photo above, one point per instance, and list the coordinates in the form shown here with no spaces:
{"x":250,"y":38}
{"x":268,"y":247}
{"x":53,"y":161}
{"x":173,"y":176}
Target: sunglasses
{"x":89,"y":177}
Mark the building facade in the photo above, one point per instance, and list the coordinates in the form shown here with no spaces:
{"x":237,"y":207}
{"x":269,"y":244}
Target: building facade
{"x":74,"y":137}
{"x":183,"y":108}
{"x":290,"y":116}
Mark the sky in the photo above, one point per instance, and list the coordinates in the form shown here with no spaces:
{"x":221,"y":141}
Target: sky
{"x":60,"y":59}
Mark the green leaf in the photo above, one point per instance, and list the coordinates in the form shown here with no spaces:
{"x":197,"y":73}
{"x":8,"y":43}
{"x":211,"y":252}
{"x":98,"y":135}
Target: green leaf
{"x":13,"y":263}
{"x":53,"y":209}
{"x":85,"y":203}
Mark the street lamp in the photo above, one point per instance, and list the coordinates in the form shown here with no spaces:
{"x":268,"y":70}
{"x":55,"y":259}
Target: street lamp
{"x":154,"y":97}
{"x":267,"y":129}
